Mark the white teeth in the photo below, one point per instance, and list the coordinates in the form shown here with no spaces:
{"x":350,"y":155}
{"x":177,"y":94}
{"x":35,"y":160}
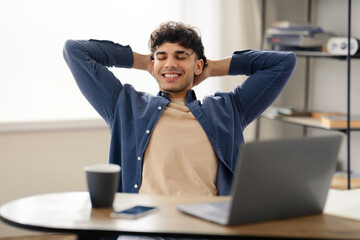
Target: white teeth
{"x":171,"y":75}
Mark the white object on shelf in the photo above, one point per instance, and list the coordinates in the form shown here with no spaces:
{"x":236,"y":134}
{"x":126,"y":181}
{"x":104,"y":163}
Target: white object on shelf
{"x":339,"y":46}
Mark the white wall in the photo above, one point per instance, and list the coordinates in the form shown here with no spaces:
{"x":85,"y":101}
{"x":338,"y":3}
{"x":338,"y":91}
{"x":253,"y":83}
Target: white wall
{"x":47,"y":161}
{"x":240,"y":30}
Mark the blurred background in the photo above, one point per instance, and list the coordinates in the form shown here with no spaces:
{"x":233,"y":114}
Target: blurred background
{"x":49,"y":132}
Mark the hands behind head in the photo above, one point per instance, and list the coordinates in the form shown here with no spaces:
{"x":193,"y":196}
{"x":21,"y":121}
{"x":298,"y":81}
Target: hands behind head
{"x":142,"y":62}
{"x":214,"y":68}
{"x":204,"y":74}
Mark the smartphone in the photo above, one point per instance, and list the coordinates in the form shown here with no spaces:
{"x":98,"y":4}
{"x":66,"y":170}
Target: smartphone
{"x":134,"y":212}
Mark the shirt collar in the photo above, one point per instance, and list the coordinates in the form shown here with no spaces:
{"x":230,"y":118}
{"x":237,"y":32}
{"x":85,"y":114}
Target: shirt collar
{"x":191,"y":96}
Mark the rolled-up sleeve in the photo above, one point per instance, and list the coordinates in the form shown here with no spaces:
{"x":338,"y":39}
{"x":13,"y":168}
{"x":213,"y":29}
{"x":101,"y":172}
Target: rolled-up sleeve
{"x":88,"y":61}
{"x":268,"y":73}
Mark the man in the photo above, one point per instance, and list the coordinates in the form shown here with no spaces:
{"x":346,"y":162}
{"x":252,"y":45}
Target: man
{"x":172,"y":143}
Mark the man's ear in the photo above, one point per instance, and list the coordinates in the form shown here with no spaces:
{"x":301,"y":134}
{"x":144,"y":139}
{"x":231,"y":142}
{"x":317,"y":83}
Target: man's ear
{"x":152,"y":67}
{"x":199,"y":65}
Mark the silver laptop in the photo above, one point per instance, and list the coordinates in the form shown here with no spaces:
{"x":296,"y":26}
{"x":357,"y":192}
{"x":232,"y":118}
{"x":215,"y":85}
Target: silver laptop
{"x":276,"y":179}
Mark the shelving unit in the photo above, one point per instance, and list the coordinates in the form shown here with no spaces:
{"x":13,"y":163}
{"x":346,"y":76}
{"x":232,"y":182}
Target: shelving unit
{"x":313,"y":122}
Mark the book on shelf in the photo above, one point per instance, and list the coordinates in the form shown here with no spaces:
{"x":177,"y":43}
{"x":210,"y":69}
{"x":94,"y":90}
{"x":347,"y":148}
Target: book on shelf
{"x":320,"y":114}
{"x":280,"y":47}
{"x":340,"y":121}
{"x":274,"y":111}
{"x":340,"y":180}
{"x":296,"y":36}
{"x":291,"y":24}
{"x":294,"y":30}
{"x":326,"y":119}
{"x":317,"y":40}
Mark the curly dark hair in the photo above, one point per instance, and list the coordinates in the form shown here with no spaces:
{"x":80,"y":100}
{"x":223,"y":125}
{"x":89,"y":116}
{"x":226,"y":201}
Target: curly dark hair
{"x":177,"y":32}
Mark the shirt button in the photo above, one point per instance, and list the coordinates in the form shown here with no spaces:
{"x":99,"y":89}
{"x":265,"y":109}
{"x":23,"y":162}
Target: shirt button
{"x":135,"y":186}
{"x":147,"y":131}
{"x":159,"y":107}
{"x":139,"y":158}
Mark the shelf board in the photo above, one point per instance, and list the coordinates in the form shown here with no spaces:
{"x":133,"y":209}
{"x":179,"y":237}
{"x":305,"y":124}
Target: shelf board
{"x":322,"y":54}
{"x":304,"y":121}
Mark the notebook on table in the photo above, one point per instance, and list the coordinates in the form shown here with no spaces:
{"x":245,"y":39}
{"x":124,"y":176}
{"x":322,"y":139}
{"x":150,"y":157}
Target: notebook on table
{"x":276,"y":179}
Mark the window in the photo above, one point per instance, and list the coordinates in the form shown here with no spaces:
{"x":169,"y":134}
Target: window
{"x":35,"y":83}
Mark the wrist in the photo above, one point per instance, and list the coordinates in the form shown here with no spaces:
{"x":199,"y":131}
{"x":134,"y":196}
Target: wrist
{"x":141,"y":61}
{"x":219,"y":67}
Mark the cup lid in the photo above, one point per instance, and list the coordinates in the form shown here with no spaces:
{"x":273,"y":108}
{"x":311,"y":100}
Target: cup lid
{"x":107,"y":168}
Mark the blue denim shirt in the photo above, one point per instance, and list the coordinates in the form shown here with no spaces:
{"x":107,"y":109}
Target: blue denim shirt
{"x":132,"y":115}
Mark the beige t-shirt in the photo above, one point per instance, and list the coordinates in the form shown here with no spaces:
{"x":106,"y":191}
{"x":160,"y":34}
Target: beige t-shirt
{"x":179,"y":158}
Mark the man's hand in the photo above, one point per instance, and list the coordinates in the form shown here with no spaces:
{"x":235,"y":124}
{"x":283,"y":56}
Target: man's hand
{"x":213,"y":69}
{"x":204,"y":74}
{"x":142,"y":62}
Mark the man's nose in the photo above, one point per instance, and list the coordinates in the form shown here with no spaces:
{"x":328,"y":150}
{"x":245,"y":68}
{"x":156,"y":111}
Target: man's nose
{"x":171,"y":62}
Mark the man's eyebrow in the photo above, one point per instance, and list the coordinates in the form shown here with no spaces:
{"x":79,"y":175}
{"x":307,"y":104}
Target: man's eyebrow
{"x":176,"y":52}
{"x":160,"y":53}
{"x":182,"y":52}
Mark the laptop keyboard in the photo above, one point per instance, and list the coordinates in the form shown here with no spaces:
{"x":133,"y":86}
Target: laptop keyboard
{"x":217,"y":208}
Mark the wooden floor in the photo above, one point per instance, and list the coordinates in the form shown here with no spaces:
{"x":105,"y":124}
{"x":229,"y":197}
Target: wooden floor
{"x":43,"y":237}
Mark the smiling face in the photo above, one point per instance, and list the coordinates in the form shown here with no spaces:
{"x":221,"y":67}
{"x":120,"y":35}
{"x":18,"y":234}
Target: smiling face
{"x":174,"y":68}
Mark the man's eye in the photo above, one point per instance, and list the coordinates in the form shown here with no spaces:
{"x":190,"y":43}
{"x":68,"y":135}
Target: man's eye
{"x":182,"y":56}
{"x":161,"y":57}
